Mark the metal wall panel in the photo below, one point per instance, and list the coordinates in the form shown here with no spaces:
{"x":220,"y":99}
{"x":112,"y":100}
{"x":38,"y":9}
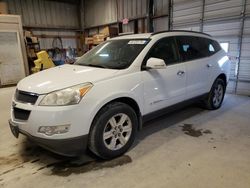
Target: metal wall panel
{"x":223,"y":20}
{"x":185,"y":12}
{"x":99,"y":12}
{"x":222,"y":9}
{"x":189,"y":27}
{"x":161,"y":7}
{"x":160,"y":24}
{"x":44,"y":13}
{"x":243,"y":86}
{"x":227,"y":31}
{"x":131,"y":9}
{"x":128,"y":28}
{"x":223,"y":28}
{"x":248,"y":7}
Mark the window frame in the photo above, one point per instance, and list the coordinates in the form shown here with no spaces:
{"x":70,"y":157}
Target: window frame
{"x":199,"y":57}
{"x":143,"y":65}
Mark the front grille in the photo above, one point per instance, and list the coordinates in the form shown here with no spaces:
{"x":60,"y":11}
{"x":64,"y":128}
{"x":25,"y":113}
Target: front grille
{"x":26,"y":97}
{"x":21,"y":114}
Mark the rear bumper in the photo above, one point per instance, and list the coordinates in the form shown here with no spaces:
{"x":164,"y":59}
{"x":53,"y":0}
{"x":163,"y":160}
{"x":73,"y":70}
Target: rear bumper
{"x":68,"y":147}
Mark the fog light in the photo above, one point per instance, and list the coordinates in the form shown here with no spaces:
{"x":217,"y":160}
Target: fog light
{"x":51,"y":130}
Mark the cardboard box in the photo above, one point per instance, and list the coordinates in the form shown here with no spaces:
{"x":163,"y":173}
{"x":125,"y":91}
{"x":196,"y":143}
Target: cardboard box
{"x":27,"y":34}
{"x":3,"y":8}
{"x":109,"y":31}
{"x":34,"y":39}
{"x":89,"y":40}
{"x":31,"y":53}
{"x":99,"y":38}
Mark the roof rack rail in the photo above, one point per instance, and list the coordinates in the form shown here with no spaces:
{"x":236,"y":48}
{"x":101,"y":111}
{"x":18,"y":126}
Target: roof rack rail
{"x":155,"y":33}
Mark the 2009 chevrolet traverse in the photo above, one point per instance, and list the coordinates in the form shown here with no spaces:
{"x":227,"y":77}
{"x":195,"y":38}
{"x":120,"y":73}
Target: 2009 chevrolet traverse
{"x":100,"y":102}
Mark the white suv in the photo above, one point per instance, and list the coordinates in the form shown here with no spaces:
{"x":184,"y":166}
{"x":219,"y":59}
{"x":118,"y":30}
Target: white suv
{"x":101,"y":101}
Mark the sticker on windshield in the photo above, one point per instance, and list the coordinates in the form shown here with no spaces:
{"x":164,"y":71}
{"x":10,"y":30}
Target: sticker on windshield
{"x":137,"y":42}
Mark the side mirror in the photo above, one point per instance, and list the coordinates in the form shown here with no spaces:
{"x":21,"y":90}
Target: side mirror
{"x":155,"y":63}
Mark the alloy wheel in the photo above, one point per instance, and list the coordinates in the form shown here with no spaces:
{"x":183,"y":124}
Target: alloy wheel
{"x":218,"y":95}
{"x":117,"y":131}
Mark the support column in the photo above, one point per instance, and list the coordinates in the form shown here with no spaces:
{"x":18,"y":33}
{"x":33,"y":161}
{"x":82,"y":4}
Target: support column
{"x":243,"y":14}
{"x":150,"y":14}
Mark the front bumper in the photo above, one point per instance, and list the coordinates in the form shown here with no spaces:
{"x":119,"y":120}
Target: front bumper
{"x":68,"y":147}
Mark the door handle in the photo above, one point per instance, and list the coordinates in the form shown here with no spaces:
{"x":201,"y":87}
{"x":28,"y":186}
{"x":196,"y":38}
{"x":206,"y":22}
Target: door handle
{"x":180,"y":73}
{"x":209,"y":65}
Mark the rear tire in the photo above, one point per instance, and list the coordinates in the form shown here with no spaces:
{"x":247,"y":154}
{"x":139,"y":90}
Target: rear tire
{"x":113,"y":130}
{"x":216,"y":95}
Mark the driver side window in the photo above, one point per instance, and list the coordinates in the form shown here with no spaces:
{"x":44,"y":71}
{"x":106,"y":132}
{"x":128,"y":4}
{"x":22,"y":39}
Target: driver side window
{"x":165,"y":49}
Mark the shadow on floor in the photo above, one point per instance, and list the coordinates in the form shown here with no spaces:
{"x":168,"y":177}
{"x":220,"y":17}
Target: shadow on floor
{"x":168,"y":120}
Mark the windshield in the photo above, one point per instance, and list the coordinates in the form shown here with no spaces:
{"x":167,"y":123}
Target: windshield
{"x":113,"y":54}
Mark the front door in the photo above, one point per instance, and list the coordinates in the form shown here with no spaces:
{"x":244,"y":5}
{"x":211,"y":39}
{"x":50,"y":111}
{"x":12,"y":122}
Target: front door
{"x":164,"y":87}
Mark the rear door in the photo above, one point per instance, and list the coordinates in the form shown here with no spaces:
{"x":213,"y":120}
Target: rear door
{"x":193,"y":51}
{"x":164,"y":87}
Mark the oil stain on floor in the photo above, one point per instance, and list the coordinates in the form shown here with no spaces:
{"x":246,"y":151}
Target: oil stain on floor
{"x":66,"y":168}
{"x":191,"y":131}
{"x":56,"y":165}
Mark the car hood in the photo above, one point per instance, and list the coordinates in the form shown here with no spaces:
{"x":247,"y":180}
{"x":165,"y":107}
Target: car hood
{"x":62,"y":77}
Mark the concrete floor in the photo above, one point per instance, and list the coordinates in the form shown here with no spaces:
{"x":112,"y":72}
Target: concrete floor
{"x":188,"y":148}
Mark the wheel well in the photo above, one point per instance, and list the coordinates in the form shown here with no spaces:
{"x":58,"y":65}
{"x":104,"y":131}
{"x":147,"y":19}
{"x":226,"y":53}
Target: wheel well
{"x":133,"y":104}
{"x":223,"y":77}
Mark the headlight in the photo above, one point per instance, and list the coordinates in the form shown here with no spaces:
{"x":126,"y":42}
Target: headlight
{"x":68,"y":96}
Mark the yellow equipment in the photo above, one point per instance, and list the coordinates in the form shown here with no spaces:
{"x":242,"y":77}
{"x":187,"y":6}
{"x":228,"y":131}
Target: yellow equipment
{"x":43,"y":62}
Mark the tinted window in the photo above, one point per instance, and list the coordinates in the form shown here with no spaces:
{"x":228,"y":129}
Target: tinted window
{"x":196,"y":47}
{"x":191,"y":47}
{"x":165,"y":49}
{"x":213,"y":46}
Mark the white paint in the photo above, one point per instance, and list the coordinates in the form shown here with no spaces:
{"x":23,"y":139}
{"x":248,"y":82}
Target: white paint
{"x":151,"y":89}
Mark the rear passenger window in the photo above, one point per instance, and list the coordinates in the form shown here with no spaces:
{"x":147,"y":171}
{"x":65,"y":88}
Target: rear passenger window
{"x":191,"y":48}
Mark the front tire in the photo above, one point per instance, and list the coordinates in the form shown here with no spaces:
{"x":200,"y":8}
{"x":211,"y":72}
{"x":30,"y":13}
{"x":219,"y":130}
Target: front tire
{"x":113,"y":130}
{"x":216,"y":95}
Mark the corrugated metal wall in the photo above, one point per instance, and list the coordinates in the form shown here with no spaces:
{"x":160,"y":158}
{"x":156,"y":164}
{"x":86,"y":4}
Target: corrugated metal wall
{"x":223,"y":20}
{"x":186,"y":12}
{"x":131,"y":9}
{"x":98,"y":12}
{"x":244,"y":69}
{"x":44,"y":13}
{"x":160,"y":9}
{"x":47,"y":14}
